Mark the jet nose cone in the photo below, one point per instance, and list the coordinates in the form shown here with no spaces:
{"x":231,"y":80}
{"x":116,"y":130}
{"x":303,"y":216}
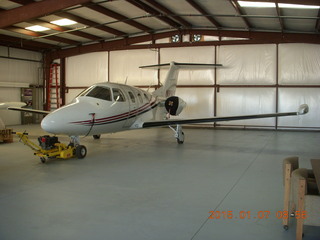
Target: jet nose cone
{"x":69,"y":120}
{"x":51,"y":123}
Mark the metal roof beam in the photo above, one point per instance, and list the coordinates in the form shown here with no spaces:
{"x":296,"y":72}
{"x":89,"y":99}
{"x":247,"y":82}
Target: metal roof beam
{"x":64,"y":29}
{"x":279,"y":15}
{"x":117,"y":16}
{"x":129,"y":43}
{"x":154,"y":12}
{"x":23,"y":2}
{"x":169,"y":12}
{"x":41,"y":35}
{"x":35,"y":10}
{"x":204,"y":12}
{"x":23,"y":43}
{"x":91,"y":23}
{"x":238,"y":9}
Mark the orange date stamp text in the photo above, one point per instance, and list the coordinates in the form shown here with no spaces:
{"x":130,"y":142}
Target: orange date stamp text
{"x":255,"y":215}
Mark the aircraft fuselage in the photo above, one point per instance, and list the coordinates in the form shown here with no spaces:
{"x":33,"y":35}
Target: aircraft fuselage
{"x":102,"y":108}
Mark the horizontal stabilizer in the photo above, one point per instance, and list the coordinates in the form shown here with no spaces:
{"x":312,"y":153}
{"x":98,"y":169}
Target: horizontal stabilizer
{"x":303,"y":109}
{"x":184,"y":65}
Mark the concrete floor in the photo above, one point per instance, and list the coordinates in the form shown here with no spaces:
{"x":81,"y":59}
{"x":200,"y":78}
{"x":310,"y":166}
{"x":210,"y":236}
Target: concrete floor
{"x":142,"y":185}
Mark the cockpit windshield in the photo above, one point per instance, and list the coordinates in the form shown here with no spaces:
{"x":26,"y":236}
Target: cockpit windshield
{"x":103,"y":93}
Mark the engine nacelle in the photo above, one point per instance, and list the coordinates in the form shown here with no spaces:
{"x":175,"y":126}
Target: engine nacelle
{"x":174,"y":105}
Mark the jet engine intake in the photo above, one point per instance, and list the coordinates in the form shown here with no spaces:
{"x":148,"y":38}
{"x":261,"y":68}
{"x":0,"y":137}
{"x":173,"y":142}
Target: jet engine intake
{"x":174,"y":105}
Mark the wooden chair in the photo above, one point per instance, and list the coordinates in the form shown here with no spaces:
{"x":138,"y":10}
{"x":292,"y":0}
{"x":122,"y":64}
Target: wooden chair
{"x":307,"y":206}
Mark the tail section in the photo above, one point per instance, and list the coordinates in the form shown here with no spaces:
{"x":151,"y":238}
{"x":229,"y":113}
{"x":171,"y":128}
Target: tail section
{"x":170,"y":84}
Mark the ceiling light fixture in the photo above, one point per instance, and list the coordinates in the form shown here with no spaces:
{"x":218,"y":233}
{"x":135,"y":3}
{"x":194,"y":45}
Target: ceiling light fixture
{"x":298,"y":6}
{"x":257,"y":4}
{"x":63,"y":22}
{"x":273,"y":5}
{"x":37,"y":28}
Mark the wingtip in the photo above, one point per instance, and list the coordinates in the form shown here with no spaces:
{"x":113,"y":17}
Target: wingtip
{"x":7,"y":105}
{"x":303,"y":109}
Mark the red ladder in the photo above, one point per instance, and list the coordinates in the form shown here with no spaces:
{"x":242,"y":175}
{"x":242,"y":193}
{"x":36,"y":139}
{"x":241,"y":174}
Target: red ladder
{"x":53,"y":93}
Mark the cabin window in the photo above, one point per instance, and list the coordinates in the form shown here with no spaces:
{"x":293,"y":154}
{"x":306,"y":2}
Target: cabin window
{"x":99,"y":92}
{"x":133,"y":99}
{"x":84,"y":92}
{"x":118,"y":95}
{"x":140,"y":98}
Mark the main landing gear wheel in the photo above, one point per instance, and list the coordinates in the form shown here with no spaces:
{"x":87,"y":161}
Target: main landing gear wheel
{"x":96,"y":136}
{"x":81,"y":151}
{"x":180,"y":139}
{"x":178,"y":134}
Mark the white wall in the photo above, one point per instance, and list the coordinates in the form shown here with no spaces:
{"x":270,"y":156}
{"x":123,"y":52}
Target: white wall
{"x":16,"y":71}
{"x":247,"y":65}
{"x":87,"y":69}
{"x":124,"y":66}
{"x":244,"y":66}
{"x":190,"y":55}
{"x":299,"y":64}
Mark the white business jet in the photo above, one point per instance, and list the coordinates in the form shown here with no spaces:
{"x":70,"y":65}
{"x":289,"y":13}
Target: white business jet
{"x":110,"y":107}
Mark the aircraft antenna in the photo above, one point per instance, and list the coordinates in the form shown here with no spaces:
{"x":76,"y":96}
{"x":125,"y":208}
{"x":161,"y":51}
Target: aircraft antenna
{"x":126,"y":80}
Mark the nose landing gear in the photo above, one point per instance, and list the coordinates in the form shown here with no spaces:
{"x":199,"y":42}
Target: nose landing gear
{"x":81,"y":151}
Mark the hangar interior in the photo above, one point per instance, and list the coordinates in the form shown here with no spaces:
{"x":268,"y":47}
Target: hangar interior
{"x":141,"y":184}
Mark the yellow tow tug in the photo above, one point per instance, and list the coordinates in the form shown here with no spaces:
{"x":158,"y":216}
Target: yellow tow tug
{"x":50,"y":147}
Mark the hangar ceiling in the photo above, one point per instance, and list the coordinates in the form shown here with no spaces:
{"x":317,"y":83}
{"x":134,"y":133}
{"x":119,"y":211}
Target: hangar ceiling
{"x":100,"y":25}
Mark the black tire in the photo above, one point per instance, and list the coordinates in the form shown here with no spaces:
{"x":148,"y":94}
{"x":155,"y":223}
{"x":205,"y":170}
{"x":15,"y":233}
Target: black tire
{"x":81,"y":151}
{"x":96,"y":136}
{"x":181,"y":141}
{"x":43,"y":159}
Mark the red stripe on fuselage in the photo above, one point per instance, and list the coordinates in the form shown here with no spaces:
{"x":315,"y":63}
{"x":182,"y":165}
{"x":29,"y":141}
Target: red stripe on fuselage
{"x":118,"y":117}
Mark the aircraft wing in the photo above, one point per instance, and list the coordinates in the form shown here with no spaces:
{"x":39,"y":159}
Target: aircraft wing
{"x":28,"y":110}
{"x":303,"y":109}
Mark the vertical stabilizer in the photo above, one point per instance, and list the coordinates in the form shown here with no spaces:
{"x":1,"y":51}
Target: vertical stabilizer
{"x":169,"y":87}
{"x":170,"y":83}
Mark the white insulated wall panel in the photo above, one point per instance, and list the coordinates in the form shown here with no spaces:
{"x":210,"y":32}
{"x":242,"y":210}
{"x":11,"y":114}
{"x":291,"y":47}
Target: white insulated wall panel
{"x":124,"y":66}
{"x":87,"y":69}
{"x":199,"y":102}
{"x":17,"y":71}
{"x":299,"y":64}
{"x":20,"y":71}
{"x":247,"y":101}
{"x":189,"y":55}
{"x":289,"y":101}
{"x":20,"y":53}
{"x":247,"y":64}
